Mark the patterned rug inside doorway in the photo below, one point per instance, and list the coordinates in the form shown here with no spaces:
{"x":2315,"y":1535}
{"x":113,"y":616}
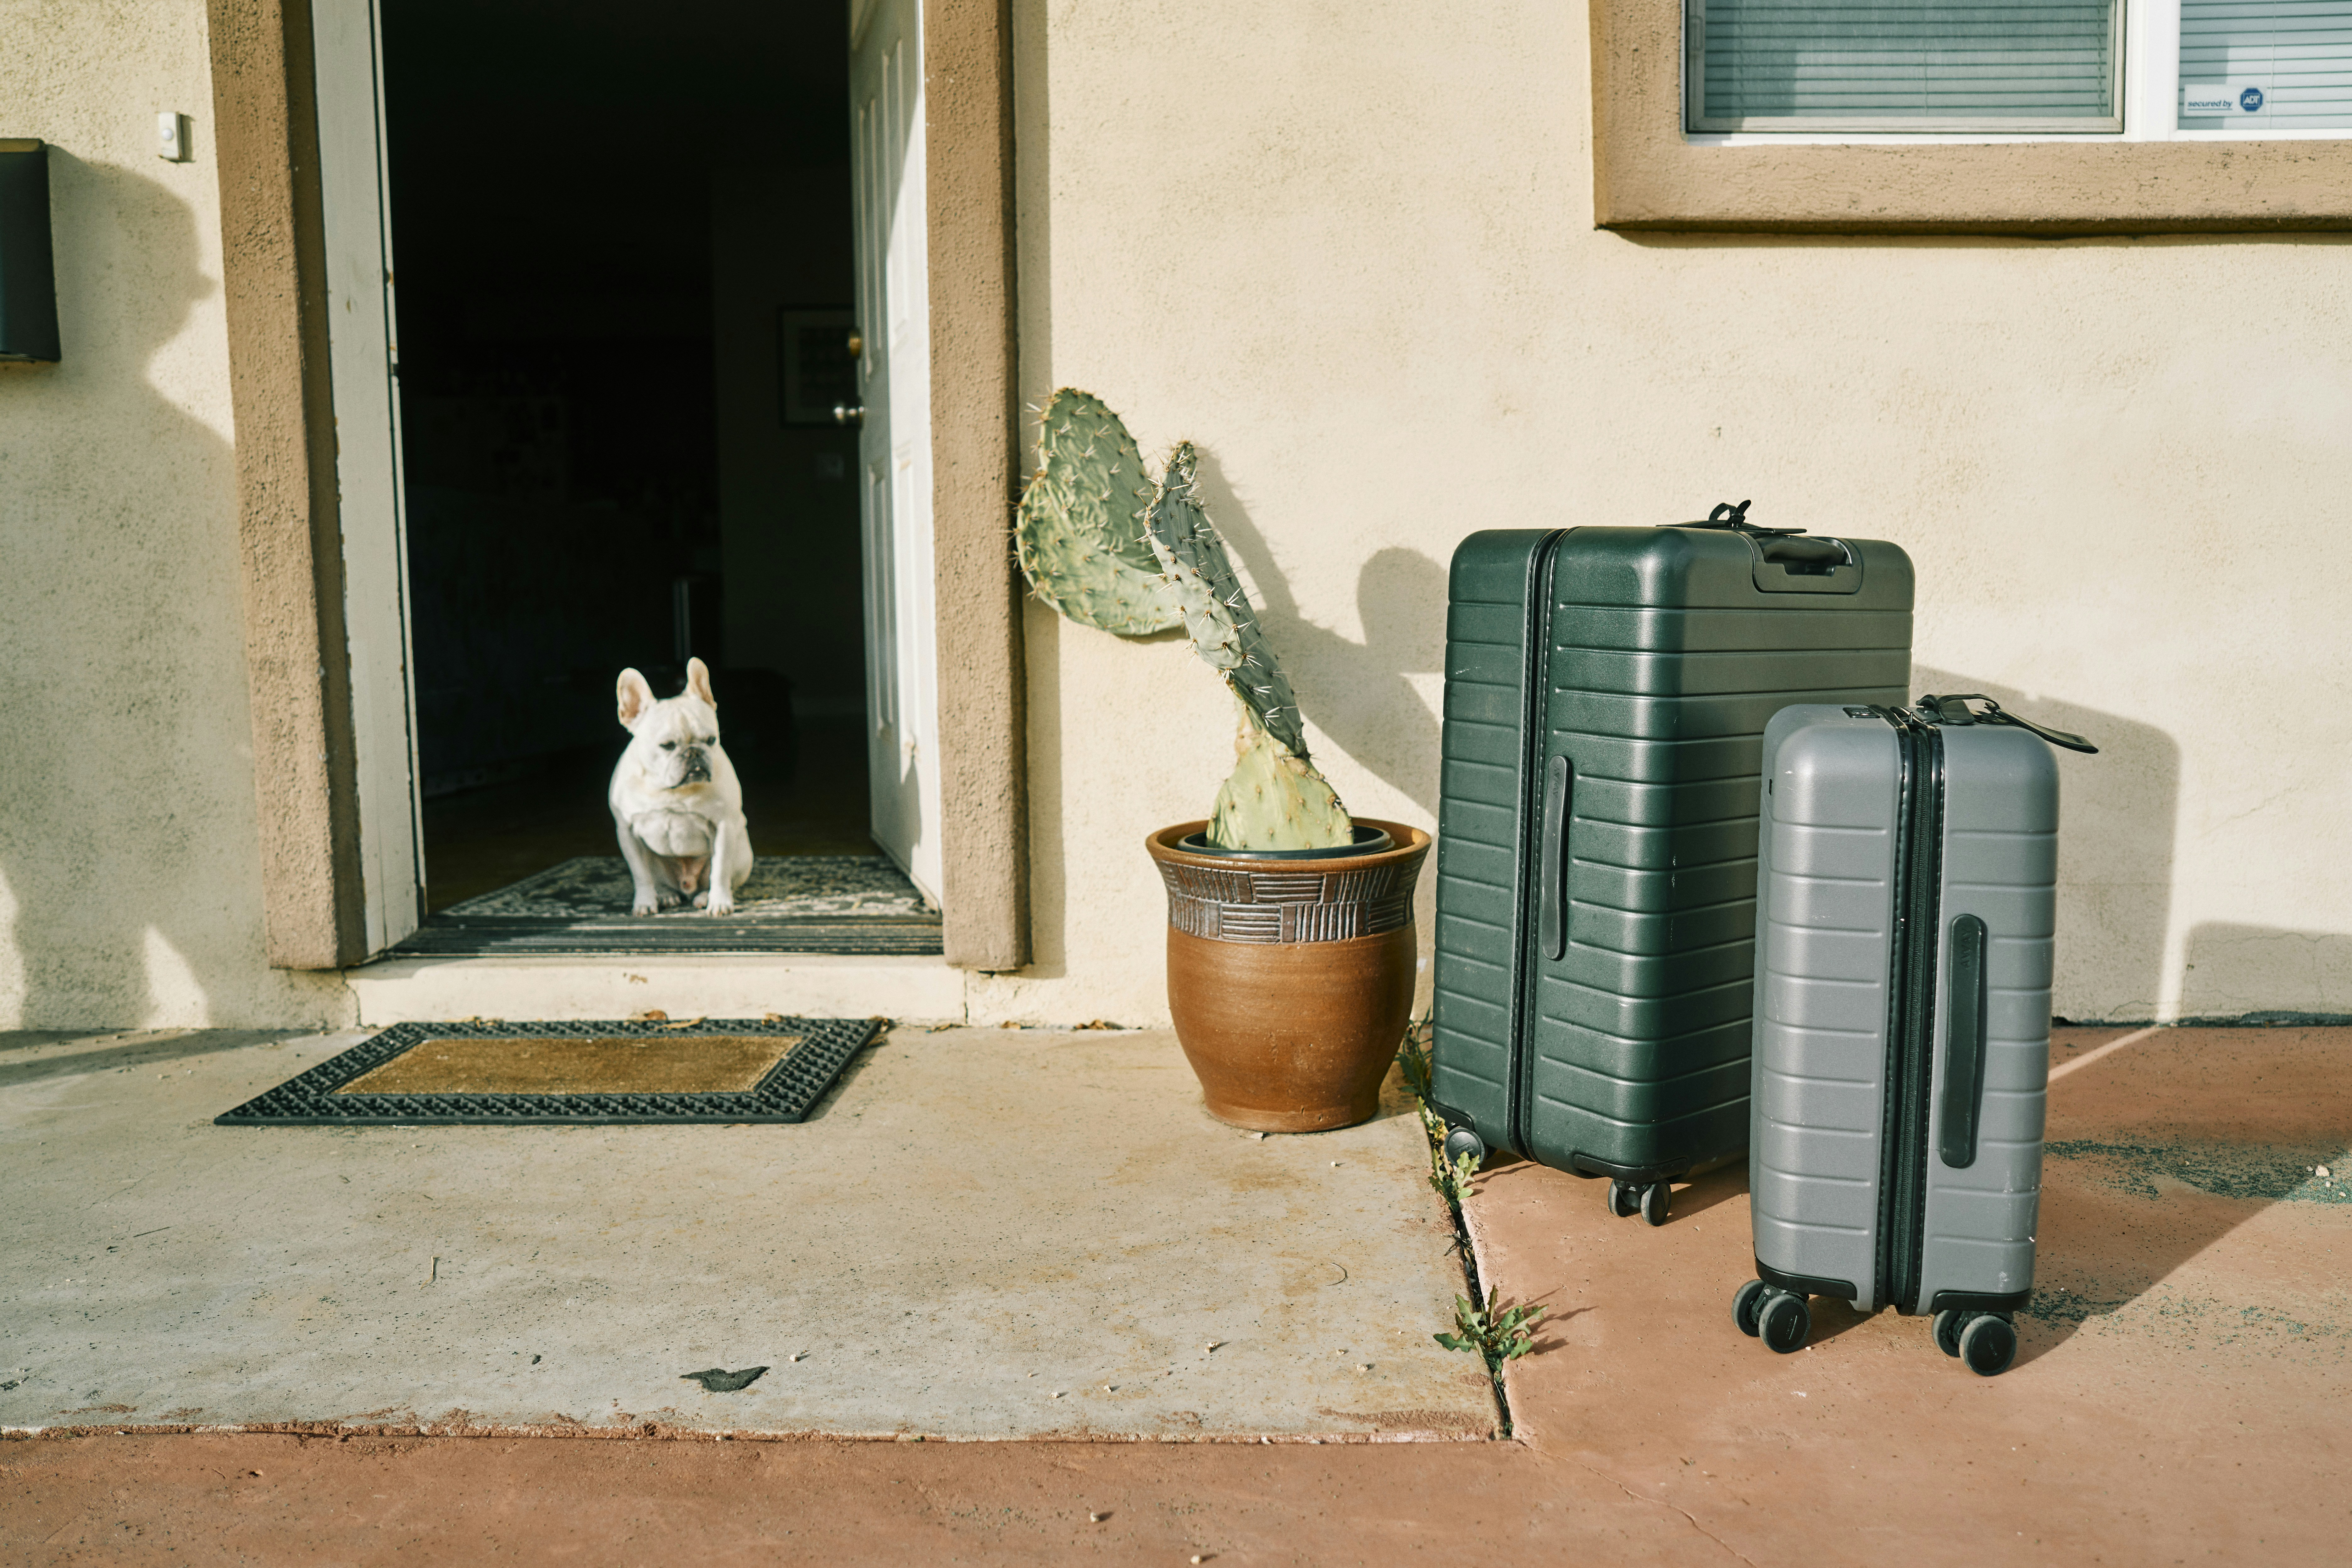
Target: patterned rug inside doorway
{"x":635,"y":1071}
{"x":792,"y":904}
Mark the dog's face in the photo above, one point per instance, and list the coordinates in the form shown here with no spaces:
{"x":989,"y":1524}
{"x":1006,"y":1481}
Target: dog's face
{"x":674,"y":738}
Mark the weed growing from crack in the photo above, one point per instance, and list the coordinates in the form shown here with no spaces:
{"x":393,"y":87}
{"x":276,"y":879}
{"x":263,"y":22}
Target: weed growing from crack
{"x":1450,"y":1178}
{"x":1493,"y":1331}
{"x":1413,"y":1061}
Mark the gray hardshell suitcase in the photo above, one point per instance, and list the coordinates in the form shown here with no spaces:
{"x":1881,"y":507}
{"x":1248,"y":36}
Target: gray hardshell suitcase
{"x":1606,"y":695}
{"x":1907,"y":865}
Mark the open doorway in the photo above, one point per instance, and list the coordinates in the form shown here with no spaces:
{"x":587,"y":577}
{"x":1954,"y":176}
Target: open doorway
{"x":625,"y":274}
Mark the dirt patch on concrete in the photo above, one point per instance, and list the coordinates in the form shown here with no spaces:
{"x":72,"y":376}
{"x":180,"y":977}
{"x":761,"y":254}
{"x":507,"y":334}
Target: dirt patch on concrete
{"x":2256,"y":1174}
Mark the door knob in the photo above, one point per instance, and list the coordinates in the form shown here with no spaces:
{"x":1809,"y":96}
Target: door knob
{"x":845,"y":414}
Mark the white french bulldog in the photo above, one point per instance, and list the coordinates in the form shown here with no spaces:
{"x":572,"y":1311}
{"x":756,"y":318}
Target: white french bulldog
{"x":676,"y":808}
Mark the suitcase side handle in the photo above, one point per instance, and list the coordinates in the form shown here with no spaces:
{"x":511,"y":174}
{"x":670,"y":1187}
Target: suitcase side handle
{"x":1964,"y":1043}
{"x":1551,"y":861}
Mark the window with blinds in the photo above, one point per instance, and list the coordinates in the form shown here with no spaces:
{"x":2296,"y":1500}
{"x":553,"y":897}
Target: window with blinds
{"x":1850,"y":65}
{"x":2265,"y":65}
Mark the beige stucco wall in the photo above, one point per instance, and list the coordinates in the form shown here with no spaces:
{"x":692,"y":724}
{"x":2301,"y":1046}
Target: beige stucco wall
{"x":1349,"y":249}
{"x":130,"y":881}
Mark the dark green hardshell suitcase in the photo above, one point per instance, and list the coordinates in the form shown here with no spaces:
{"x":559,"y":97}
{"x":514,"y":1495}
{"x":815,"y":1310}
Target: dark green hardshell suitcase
{"x":1606,"y":694}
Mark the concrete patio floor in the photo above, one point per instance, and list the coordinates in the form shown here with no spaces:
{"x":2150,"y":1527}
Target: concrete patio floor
{"x":977,"y":1234}
{"x":2179,"y":1396}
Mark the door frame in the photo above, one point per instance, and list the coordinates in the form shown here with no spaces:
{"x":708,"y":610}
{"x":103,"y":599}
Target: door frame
{"x":307,"y":591}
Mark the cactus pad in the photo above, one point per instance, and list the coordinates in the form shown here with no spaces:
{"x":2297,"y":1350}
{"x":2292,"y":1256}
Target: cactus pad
{"x":1217,"y":610}
{"x":1079,"y":530}
{"x":1274,"y":800}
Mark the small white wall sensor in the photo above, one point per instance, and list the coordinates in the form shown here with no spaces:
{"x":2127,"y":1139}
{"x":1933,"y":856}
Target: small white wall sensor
{"x":172,"y":137}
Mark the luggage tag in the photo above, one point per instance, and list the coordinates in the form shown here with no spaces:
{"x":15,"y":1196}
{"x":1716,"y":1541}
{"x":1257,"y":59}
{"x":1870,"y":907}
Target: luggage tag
{"x":1954,"y":710}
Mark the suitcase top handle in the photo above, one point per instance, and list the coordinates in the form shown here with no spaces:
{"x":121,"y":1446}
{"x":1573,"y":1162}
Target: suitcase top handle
{"x":1778,"y":544}
{"x":1727,"y":515}
{"x":1954,"y":710}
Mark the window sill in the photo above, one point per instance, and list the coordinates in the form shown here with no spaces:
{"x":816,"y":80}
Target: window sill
{"x":1647,"y":174}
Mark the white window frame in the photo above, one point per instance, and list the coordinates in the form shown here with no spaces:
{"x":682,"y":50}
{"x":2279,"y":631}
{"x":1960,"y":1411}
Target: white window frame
{"x":2148,"y":63}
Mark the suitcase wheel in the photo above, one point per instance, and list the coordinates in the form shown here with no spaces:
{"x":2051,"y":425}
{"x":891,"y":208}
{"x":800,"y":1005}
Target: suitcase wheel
{"x":1785,"y":1322}
{"x":1988,"y":1344}
{"x":1948,"y":1330}
{"x":1747,"y":1303}
{"x":1463,"y":1141}
{"x":1648,"y":1199}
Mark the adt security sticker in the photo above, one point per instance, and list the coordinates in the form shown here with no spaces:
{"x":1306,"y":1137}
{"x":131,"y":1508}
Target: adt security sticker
{"x":2220,"y":99}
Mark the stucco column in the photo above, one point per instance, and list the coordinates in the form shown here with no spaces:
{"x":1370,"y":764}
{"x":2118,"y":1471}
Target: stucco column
{"x":273,"y":269}
{"x":975,"y":466}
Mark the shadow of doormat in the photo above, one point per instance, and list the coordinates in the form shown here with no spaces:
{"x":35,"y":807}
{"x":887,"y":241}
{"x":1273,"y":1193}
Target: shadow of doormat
{"x":704,"y":1070}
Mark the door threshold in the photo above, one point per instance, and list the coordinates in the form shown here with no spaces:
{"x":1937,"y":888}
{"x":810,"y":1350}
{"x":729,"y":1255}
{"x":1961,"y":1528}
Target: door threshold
{"x":448,"y":936}
{"x":408,"y":989}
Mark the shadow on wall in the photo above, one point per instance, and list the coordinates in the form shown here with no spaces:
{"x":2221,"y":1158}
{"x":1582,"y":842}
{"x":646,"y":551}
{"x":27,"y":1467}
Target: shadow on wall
{"x":127,"y":844}
{"x":2117,"y":813}
{"x":1358,"y":693}
{"x":2234,"y":971}
{"x":1049,"y":872}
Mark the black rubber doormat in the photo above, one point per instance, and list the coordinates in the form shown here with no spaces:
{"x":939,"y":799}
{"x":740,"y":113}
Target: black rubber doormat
{"x":792,"y":904}
{"x":699,"y":1070}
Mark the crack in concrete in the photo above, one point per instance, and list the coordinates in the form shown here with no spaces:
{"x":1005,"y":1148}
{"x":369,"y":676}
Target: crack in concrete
{"x":1688,"y":1518}
{"x":1467,"y":1247}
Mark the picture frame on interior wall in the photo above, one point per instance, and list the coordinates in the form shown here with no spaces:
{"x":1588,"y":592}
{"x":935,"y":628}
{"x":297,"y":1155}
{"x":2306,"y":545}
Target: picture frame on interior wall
{"x":816,"y":363}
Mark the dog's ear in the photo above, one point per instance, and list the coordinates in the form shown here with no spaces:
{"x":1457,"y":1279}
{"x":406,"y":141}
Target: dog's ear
{"x":698,"y":680}
{"x":635,"y":695}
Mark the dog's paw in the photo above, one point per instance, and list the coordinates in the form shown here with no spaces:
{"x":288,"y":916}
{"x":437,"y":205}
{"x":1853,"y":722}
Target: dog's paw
{"x":641,"y":907}
{"x":701,"y":900}
{"x":721,"y":906}
{"x":670,"y":900}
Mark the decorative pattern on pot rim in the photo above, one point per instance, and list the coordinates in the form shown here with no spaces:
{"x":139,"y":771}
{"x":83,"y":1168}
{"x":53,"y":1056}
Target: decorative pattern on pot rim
{"x":1282,"y":905}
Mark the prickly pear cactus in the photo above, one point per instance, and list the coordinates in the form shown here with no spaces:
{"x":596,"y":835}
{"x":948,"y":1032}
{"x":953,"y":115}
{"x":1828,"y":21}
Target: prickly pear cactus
{"x":1079,"y":530}
{"x":1217,"y":610}
{"x":1276,"y":800}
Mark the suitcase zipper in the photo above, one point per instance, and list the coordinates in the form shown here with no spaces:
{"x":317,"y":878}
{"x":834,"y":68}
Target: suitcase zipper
{"x":1911,"y":1009}
{"x":1533,"y":744}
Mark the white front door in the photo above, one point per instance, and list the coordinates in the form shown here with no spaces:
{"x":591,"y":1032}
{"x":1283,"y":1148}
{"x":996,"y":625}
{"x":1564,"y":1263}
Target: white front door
{"x":364,"y":362}
{"x":885,"y":102}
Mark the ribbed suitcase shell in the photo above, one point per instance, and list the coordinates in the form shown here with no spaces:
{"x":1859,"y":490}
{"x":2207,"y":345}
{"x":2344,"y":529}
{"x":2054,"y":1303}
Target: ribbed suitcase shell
{"x":1650,"y":661}
{"x":1832,"y":1205}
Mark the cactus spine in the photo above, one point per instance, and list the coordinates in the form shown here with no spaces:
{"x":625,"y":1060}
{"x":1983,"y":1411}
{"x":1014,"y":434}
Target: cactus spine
{"x":1079,"y":530}
{"x":1274,"y":798}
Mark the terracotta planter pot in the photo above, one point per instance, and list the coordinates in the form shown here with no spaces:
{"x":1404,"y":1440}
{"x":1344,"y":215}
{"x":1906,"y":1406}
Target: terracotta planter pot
{"x":1291,"y":981}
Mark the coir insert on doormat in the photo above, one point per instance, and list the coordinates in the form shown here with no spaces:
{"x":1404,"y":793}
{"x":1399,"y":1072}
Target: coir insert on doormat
{"x":701,"y":1069}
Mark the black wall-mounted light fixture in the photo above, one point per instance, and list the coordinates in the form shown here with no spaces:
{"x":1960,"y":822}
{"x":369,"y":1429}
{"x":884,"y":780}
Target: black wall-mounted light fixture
{"x":28,"y":279}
